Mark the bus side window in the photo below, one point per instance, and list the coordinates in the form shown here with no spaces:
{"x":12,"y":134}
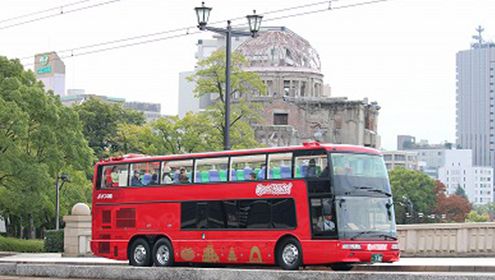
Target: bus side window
{"x":177,"y":171}
{"x":248,"y":168}
{"x":211,"y":170}
{"x":311,"y":166}
{"x":114,"y":176}
{"x":280,"y":166}
{"x":144,"y":174}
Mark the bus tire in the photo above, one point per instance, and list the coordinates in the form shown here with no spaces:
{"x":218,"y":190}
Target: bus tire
{"x":341,"y":267}
{"x":163,"y":253}
{"x":140,"y":253}
{"x":289,"y":254}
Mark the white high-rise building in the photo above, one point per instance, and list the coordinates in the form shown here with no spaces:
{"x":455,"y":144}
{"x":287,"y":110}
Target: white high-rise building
{"x":457,"y":171}
{"x":475,"y":122}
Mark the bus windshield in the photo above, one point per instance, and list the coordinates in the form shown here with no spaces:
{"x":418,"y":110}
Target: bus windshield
{"x":355,"y":173}
{"x":362,"y":217}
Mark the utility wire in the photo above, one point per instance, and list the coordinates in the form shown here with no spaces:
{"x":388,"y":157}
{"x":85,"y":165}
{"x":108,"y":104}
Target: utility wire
{"x":185,"y":29}
{"x":328,"y":8}
{"x":58,"y":14}
{"x":59,"y":8}
{"x":124,"y":46}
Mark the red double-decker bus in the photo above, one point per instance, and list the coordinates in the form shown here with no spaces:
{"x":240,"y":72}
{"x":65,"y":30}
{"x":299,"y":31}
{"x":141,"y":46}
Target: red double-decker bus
{"x":314,"y":204}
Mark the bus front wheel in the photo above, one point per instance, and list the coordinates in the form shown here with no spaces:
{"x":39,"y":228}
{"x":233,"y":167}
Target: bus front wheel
{"x":163,"y":254}
{"x":140,"y":253}
{"x":289,"y":254}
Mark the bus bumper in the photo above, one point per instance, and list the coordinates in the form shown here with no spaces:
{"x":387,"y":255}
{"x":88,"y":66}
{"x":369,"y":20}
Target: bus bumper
{"x":342,"y":252}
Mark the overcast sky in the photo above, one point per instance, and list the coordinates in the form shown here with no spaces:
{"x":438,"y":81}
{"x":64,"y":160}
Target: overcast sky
{"x":400,"y":53}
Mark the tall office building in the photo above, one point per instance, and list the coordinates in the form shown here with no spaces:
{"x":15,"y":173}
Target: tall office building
{"x":50,"y":70}
{"x":475,"y":120}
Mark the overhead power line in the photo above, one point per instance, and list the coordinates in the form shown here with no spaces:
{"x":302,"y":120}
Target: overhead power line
{"x":328,"y":7}
{"x":58,"y":8}
{"x":60,"y":13}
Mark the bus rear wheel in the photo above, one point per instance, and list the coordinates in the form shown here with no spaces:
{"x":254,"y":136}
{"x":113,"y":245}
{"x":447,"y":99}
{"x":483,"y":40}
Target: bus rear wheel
{"x":289,"y":254}
{"x":163,"y":254}
{"x":140,"y":253}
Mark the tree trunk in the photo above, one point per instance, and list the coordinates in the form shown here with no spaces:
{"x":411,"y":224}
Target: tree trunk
{"x":32,"y":229}
{"x":21,"y":228}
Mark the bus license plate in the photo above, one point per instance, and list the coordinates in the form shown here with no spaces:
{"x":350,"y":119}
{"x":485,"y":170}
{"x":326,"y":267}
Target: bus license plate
{"x":376,"y":258}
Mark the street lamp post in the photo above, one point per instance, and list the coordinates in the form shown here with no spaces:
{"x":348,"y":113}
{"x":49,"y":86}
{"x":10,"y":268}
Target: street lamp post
{"x":254,"y":20}
{"x":64,"y":179}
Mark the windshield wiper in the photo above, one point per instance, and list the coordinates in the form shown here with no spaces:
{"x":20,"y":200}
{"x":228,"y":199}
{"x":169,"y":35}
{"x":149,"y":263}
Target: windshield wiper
{"x":370,"y":189}
{"x":361,"y":233}
{"x":381,"y":192}
{"x":391,"y":237}
{"x":386,"y":236}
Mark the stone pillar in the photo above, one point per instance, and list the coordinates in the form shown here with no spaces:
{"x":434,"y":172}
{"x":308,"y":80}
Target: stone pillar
{"x":77,"y":232}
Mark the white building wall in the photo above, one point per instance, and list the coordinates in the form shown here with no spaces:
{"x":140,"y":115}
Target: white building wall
{"x":458,"y":171}
{"x":187,"y":101}
{"x":56,"y":82}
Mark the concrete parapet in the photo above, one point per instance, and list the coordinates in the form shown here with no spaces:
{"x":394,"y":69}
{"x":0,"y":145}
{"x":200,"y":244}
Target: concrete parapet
{"x":454,"y":239}
{"x":8,"y":268}
{"x":151,"y":273}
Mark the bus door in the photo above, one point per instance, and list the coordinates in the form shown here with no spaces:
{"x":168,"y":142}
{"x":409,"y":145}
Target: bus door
{"x":314,"y":167}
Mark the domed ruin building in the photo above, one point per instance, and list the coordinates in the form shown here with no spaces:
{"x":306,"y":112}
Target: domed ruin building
{"x":297,"y":106}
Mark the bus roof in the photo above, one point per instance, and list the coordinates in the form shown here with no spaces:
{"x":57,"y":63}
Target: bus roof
{"x":306,"y":146}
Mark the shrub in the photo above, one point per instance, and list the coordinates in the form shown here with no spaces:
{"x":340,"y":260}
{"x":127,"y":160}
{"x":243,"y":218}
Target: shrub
{"x":20,"y":245}
{"x":54,"y":241}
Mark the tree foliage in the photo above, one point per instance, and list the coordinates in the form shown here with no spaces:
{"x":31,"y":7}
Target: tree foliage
{"x":210,"y":79}
{"x":482,"y":213}
{"x":173,"y":135}
{"x":101,"y":123}
{"x":475,"y":217}
{"x":414,"y":195}
{"x":38,"y":139}
{"x":452,"y":208}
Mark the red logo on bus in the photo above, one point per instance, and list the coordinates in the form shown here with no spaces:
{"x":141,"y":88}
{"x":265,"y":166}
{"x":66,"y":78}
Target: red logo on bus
{"x":273,"y":189}
{"x":105,"y":196}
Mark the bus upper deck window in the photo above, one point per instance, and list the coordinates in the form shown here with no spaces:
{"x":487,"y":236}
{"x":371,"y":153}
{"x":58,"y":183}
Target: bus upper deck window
{"x":114,"y":176}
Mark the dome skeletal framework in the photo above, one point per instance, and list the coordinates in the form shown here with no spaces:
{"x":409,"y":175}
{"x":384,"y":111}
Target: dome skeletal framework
{"x":280,"y":47}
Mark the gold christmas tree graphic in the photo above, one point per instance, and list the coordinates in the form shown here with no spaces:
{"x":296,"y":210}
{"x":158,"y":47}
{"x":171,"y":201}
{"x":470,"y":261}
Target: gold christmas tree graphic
{"x":209,"y":255}
{"x":232,"y":256}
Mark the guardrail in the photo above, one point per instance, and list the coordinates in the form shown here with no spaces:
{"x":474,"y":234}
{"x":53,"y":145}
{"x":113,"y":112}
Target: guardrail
{"x":447,"y":240}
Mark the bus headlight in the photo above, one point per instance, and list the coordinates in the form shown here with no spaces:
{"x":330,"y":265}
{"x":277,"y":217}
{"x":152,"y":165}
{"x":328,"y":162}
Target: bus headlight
{"x":351,"y":246}
{"x":395,"y":246}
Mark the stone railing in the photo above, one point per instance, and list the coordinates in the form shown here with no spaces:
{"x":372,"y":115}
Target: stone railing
{"x":447,"y":240}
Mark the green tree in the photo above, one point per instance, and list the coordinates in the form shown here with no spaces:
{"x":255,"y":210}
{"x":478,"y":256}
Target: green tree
{"x":38,"y":139}
{"x":486,"y":210}
{"x":172,"y":135}
{"x":210,"y":79}
{"x":100,"y":124}
{"x":475,"y":217}
{"x":414,"y":193}
{"x":460,"y":191}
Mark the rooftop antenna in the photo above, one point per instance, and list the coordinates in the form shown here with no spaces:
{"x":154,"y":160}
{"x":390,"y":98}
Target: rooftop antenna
{"x":479,"y":37}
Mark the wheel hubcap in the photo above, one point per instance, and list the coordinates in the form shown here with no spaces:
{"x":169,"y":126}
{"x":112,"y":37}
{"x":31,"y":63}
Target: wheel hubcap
{"x":162,"y":254}
{"x":290,"y":254}
{"x":140,"y":254}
